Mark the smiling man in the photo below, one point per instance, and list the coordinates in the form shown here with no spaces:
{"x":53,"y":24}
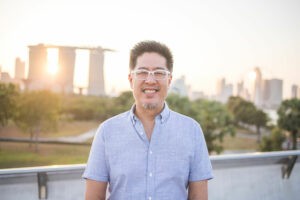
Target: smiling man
{"x":149,"y":152}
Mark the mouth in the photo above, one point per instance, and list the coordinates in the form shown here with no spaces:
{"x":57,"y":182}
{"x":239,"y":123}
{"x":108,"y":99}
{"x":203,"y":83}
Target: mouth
{"x":150,"y":90}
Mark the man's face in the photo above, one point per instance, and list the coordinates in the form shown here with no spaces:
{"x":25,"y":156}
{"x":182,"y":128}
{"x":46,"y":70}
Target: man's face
{"x":150,"y":93}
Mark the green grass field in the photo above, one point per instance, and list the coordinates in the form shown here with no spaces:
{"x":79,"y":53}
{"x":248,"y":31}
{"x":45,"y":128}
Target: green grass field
{"x":22,"y":155}
{"x":14,"y":155}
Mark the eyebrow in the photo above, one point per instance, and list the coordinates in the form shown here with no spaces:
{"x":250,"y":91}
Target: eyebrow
{"x":146,"y":68}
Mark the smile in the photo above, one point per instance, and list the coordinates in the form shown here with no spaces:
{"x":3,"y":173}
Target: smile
{"x":149,"y":91}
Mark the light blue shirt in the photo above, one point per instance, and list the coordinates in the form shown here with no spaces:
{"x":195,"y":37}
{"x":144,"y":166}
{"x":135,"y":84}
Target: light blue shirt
{"x":141,"y":169}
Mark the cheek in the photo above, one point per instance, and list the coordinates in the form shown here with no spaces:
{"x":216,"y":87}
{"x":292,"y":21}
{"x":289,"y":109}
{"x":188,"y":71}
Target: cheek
{"x":131,"y":82}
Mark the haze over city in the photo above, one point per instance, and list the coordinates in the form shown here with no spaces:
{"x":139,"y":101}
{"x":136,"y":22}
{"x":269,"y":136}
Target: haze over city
{"x":209,"y":39}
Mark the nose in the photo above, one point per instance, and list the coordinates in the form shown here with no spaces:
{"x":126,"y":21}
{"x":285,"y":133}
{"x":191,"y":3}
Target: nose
{"x":150,"y":78}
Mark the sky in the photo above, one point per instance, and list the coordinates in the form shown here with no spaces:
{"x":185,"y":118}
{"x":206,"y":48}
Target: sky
{"x":209,"y":39}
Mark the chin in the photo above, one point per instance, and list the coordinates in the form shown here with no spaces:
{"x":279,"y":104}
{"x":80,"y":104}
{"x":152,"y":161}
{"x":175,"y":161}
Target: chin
{"x":150,"y":106}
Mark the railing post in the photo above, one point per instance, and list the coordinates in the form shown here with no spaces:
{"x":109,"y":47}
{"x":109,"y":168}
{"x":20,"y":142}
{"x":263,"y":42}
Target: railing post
{"x":42,"y":185}
{"x":287,"y":167}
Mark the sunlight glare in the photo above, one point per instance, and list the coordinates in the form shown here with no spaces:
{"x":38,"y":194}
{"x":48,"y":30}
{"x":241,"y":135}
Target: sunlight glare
{"x":52,"y":61}
{"x":252,"y":76}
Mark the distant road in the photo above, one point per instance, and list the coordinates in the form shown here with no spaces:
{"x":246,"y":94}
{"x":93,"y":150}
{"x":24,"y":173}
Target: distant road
{"x":70,"y":140}
{"x":78,"y":138}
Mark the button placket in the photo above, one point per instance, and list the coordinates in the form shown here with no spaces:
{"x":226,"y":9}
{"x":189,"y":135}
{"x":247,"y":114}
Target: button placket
{"x":151,"y":160}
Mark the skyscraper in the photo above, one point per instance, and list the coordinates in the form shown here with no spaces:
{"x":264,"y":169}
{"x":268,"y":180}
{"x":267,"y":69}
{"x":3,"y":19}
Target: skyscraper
{"x":179,"y":87}
{"x":65,"y":74}
{"x":294,"y":91}
{"x":272,"y":93}
{"x":37,"y":62}
{"x":19,"y":69}
{"x":257,"y":88}
{"x":96,"y":74}
{"x":224,"y":91}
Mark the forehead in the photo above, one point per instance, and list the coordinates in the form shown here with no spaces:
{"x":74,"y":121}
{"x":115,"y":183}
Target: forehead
{"x":151,"y":61}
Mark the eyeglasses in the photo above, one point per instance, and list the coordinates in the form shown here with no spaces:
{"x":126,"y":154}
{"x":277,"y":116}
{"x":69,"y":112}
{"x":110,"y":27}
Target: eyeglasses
{"x":142,"y":74}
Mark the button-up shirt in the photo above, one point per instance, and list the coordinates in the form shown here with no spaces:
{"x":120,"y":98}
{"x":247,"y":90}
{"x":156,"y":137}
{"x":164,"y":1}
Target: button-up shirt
{"x":158,"y":169}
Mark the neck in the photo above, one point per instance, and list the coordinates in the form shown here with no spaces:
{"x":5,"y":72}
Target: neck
{"x":147,"y":117}
{"x":147,"y":114}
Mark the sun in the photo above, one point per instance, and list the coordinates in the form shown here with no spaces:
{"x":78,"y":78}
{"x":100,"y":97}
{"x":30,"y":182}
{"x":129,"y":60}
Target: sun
{"x":52,"y":61}
{"x":252,"y":75}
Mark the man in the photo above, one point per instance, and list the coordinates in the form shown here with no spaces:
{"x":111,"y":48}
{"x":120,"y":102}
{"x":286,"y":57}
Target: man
{"x":149,"y":152}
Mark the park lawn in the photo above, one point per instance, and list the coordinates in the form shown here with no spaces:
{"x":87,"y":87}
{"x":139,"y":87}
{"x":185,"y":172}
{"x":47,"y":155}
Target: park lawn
{"x":65,"y":128}
{"x":13,"y":155}
{"x":238,"y":143}
{"x":72,"y":128}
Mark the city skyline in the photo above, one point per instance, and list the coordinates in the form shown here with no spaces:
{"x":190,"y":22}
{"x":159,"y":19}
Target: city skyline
{"x":209,"y":39}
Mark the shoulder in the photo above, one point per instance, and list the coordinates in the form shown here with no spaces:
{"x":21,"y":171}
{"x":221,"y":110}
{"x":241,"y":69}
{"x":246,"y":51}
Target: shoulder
{"x":176,"y":117}
{"x":114,"y":124}
{"x":117,"y":119}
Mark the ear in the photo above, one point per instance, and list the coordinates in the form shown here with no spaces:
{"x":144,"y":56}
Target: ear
{"x":130,"y":79}
{"x":170,"y":80}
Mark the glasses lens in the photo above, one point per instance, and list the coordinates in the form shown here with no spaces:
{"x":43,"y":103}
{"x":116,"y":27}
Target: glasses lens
{"x":143,"y":74}
{"x":160,"y":74}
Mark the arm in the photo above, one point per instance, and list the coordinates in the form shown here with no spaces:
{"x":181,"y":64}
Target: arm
{"x":95,"y":190}
{"x":198,"y":190}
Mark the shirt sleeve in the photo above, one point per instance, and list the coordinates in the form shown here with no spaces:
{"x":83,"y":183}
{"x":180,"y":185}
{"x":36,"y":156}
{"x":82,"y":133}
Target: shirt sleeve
{"x":96,"y":168}
{"x":200,"y":168}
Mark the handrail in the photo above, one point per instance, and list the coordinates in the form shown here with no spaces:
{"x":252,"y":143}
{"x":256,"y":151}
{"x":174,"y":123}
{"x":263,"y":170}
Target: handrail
{"x":223,"y":161}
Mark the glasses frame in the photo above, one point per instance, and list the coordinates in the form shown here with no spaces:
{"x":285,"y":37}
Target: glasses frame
{"x":134,"y":73}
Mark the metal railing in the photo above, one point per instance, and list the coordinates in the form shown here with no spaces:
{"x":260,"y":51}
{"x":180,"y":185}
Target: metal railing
{"x":271,"y":175}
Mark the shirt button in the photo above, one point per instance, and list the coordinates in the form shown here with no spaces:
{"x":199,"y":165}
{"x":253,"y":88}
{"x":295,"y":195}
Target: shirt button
{"x":149,"y":198}
{"x":150,"y":152}
{"x":150,"y":174}
{"x":141,"y":133}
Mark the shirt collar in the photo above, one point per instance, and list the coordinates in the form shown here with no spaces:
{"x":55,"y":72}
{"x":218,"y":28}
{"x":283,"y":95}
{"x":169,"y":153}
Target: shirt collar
{"x":163,"y":116}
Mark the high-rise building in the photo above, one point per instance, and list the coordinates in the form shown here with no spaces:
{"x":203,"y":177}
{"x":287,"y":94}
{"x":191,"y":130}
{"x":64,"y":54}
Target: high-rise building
{"x":224,"y":91}
{"x":63,"y":80}
{"x":37,"y":62}
{"x":257,"y":88}
{"x":294,"y":91}
{"x":19,"y":69}
{"x":5,"y":77}
{"x":37,"y":72}
{"x":65,"y":74}
{"x":240,"y":88}
{"x":96,"y":74}
{"x":220,"y":86}
{"x":242,"y":91}
{"x":272,"y":93}
{"x":179,"y":87}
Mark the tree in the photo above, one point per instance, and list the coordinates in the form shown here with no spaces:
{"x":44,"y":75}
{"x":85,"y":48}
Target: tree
{"x":289,"y":118}
{"x":85,"y":107}
{"x":215,"y":121}
{"x":122,"y":103}
{"x":241,"y":109}
{"x":273,"y":142}
{"x":245,"y":112}
{"x":37,"y":111}
{"x":259,"y":119}
{"x":8,"y":96}
{"x":180,"y":104}
{"x":214,"y":118}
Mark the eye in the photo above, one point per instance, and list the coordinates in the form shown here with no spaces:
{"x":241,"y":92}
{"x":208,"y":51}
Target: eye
{"x":160,"y":73}
{"x":142,"y":73}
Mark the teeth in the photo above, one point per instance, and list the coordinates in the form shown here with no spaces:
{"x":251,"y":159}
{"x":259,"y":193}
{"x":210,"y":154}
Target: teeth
{"x":149,"y":91}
